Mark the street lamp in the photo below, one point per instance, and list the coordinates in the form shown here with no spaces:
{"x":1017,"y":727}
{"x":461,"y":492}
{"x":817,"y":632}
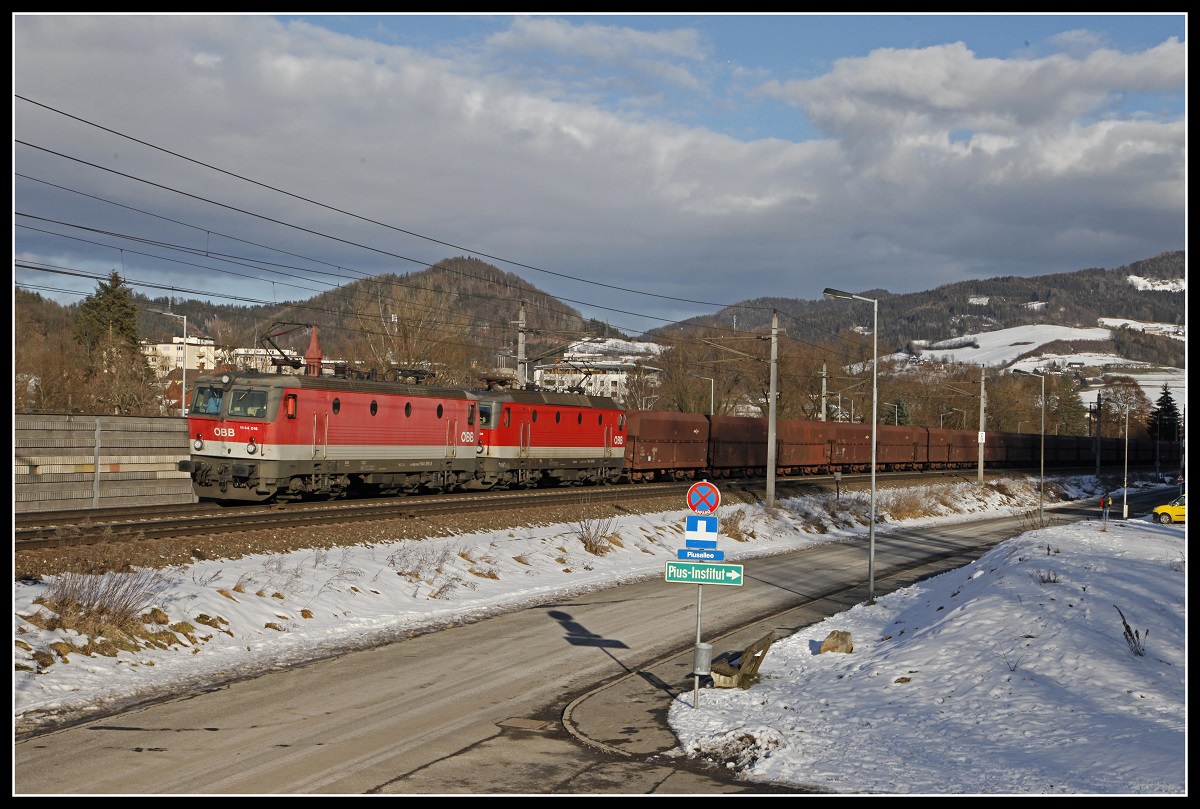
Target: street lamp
{"x":1125,"y":493}
{"x":183,"y":381}
{"x":711,"y":391}
{"x":1042,"y":488}
{"x":837,"y":294}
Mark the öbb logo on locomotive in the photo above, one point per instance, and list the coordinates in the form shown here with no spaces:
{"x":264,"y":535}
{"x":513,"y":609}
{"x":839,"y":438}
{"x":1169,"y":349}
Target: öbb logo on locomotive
{"x":281,"y":437}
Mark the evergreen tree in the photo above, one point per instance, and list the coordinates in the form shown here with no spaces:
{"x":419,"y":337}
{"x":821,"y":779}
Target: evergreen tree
{"x":1066,"y":413}
{"x":1164,"y":418}
{"x":116,"y":375}
{"x":110,"y":314}
{"x":898,"y":414}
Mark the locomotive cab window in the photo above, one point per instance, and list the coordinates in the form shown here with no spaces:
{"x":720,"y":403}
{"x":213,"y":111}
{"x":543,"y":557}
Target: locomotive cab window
{"x":485,"y":415}
{"x":248,"y":404}
{"x":471,"y":414}
{"x":207,"y":400}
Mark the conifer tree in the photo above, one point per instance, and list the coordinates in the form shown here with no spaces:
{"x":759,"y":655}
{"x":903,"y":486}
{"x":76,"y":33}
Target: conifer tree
{"x":109,"y":314}
{"x":1163,"y":423}
{"x":116,"y":375}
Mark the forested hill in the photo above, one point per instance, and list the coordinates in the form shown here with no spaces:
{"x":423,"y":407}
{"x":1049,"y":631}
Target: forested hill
{"x":1077,"y":298}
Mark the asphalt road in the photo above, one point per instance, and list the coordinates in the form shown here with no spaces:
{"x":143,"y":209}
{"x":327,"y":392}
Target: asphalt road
{"x":563,"y":698}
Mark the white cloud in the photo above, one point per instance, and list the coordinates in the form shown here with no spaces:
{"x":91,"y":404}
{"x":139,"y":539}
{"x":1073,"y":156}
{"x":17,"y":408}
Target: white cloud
{"x":537,"y":146}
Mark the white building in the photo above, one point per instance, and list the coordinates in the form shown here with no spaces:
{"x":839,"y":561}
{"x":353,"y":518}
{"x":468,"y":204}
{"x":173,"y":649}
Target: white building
{"x":200,"y":355}
{"x":196,"y":355}
{"x":261,"y":359}
{"x":600,"y":368}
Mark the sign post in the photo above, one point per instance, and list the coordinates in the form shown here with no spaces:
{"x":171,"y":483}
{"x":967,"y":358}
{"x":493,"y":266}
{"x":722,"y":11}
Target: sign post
{"x":700,"y":537}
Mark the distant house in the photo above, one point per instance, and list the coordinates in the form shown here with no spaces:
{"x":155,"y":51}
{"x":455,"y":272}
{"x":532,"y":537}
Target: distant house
{"x":978,"y":301}
{"x":197,"y":354}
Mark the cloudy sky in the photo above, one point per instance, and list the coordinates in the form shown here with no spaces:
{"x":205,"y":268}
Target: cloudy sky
{"x":643,"y":169}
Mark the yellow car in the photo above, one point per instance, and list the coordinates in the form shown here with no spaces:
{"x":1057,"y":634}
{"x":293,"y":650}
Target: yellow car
{"x":1175,"y":511}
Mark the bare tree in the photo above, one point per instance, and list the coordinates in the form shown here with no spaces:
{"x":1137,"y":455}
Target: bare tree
{"x":414,"y":329}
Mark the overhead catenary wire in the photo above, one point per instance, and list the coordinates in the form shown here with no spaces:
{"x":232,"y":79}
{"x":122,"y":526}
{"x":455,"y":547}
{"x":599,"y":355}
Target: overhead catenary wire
{"x":715,"y":327}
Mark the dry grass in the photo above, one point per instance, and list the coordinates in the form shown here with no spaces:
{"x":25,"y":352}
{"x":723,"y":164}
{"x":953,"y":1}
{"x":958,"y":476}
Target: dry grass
{"x":733,"y":526}
{"x":111,"y":612}
{"x":905,"y":504}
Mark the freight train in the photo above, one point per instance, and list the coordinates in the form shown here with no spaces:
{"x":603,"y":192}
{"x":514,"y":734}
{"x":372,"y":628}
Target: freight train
{"x":262,"y":437}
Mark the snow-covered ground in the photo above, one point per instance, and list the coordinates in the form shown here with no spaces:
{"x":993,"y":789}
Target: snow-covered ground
{"x":1011,"y":675}
{"x":1001,"y":348}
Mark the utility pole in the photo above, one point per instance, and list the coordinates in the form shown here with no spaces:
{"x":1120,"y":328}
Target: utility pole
{"x":771,"y":411}
{"x":1098,"y":421}
{"x":982,"y":416}
{"x":522,"y":371}
{"x":823,"y":382}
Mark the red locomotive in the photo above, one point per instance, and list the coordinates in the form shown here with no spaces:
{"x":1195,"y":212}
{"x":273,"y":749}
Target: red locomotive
{"x":258,"y":437}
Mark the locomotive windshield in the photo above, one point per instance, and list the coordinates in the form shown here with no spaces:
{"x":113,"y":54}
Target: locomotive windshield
{"x":485,"y":415}
{"x":248,"y":404}
{"x":207,"y":400}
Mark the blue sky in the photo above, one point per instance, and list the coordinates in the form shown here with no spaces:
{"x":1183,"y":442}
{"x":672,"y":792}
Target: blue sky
{"x":642,"y":168}
{"x":729,"y":52}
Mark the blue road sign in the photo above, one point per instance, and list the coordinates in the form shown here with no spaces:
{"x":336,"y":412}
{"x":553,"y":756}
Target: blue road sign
{"x":698,"y":573}
{"x":700,"y":555}
{"x":696,"y":527}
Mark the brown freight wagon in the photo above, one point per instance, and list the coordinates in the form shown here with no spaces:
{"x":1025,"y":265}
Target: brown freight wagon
{"x":963,"y":448}
{"x":901,"y":448}
{"x":665,"y":446}
{"x":737,"y":446}
{"x":803,"y":447}
{"x":851,"y":450}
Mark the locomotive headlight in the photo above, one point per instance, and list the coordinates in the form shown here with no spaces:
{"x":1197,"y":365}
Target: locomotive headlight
{"x":225,"y":379}
{"x":251,"y":447}
{"x":198,"y":445}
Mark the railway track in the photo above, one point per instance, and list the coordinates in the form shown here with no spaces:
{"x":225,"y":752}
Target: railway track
{"x":58,"y":529}
{"x":38,"y":530}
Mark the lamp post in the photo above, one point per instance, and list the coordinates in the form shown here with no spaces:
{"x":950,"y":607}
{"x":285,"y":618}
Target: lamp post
{"x":711,"y":391}
{"x":1125,"y":492}
{"x":183,"y":381}
{"x":1042,"y":486}
{"x":837,"y":294}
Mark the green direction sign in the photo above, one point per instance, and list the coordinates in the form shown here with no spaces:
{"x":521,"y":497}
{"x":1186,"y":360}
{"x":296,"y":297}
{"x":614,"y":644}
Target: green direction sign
{"x":701,"y":573}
